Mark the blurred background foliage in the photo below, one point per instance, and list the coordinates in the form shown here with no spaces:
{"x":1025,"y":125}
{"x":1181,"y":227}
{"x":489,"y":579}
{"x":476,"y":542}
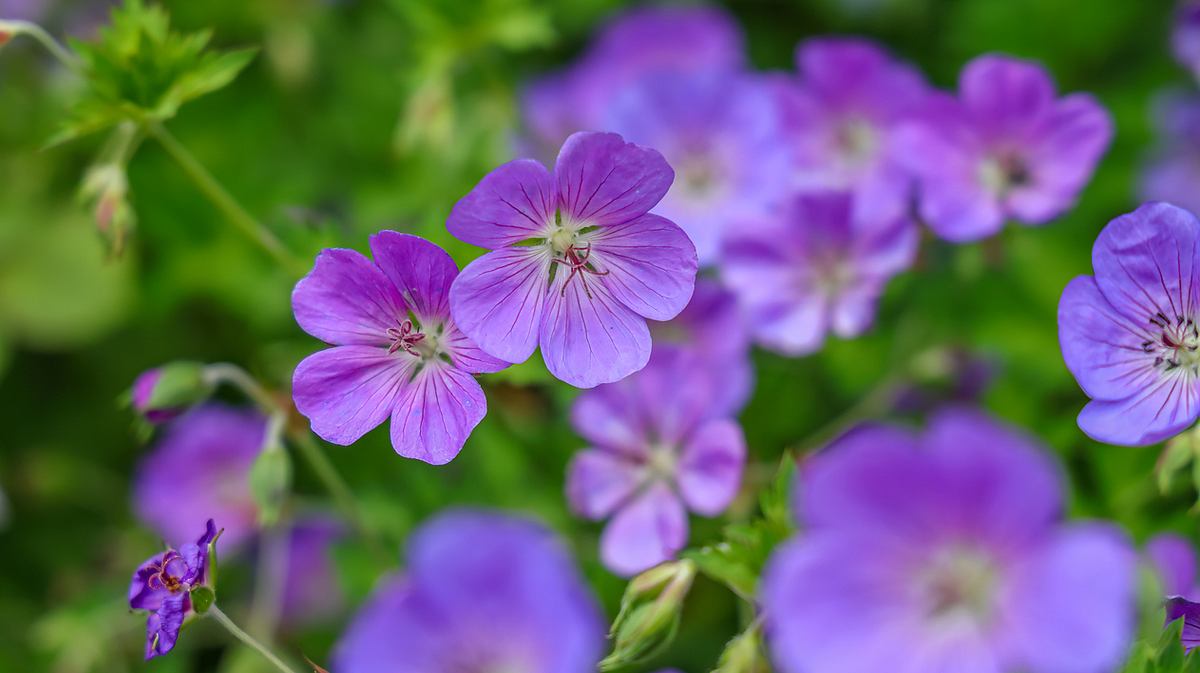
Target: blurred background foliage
{"x":360,"y":116}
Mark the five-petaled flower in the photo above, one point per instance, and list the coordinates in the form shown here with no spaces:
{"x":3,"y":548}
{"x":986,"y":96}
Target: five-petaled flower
{"x":1130,"y":334}
{"x":577,"y":263}
{"x":396,"y":349}
{"x":163,"y":585}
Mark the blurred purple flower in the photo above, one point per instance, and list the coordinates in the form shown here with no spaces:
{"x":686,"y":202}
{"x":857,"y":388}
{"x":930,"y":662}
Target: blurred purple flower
{"x":842,"y":116}
{"x":484,"y":592}
{"x":1185,"y":36}
{"x":720,"y":132}
{"x":640,"y":43}
{"x":1173,"y":171}
{"x":1006,"y":148}
{"x":1189,"y":612}
{"x":821,"y":269}
{"x":311,"y":593}
{"x":162,"y":585}
{"x":577,"y":264}
{"x":1129,"y":334}
{"x":396,"y":350}
{"x":1174,"y":559}
{"x":712,"y":331}
{"x":23,"y":10}
{"x":944,"y":552}
{"x":200,"y":469}
{"x":660,"y":443}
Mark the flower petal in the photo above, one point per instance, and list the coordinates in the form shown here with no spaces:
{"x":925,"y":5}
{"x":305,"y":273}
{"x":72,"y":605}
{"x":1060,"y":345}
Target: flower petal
{"x":603,"y":180}
{"x":651,"y":529}
{"x":650,"y":265}
{"x":1174,"y":559}
{"x":1004,"y":94}
{"x":497,"y":301}
{"x":599,"y":481}
{"x":1160,"y":411}
{"x":162,"y":626}
{"x":466,"y":355}
{"x":141,"y":595}
{"x":348,"y":390}
{"x":421,"y":271}
{"x":710,"y":467}
{"x":588,"y":337}
{"x":512,"y":203}
{"x":346,"y":300}
{"x":1181,"y":608}
{"x":436,"y":413}
{"x":1102,"y":348}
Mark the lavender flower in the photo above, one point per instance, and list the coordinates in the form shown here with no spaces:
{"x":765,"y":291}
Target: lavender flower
{"x":820,"y":269}
{"x":944,"y":552}
{"x":396,"y":350}
{"x":1173,"y":170}
{"x":577,"y":264}
{"x":483,"y":592}
{"x":1174,"y":559}
{"x":162,"y":585}
{"x":1185,"y":36}
{"x":720,"y":132}
{"x":1129,"y":334}
{"x":661,"y":443}
{"x":1006,"y":148}
{"x":200,"y":469}
{"x":310,"y":591}
{"x":843,"y":114}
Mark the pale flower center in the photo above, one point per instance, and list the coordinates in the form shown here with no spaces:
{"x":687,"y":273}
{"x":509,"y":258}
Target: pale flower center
{"x":1001,"y":174}
{"x":857,"y":140}
{"x":960,"y":582}
{"x":661,"y":463}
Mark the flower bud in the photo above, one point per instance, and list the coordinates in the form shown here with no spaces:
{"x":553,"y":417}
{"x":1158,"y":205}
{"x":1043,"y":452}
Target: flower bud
{"x":270,"y":482}
{"x":650,"y":612}
{"x":106,"y":187}
{"x":163,"y":393}
{"x":742,"y":654}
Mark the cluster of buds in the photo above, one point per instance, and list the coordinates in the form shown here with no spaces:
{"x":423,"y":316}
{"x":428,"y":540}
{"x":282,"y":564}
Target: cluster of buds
{"x":650,"y":613}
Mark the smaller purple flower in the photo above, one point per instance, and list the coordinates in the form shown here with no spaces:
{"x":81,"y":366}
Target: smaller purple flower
{"x":1185,"y":36}
{"x":661,"y":444}
{"x":483,"y":592}
{"x":310,"y":590}
{"x":1007,"y":147}
{"x":1130,"y":334}
{"x":1174,"y":559}
{"x":199,"y":469}
{"x":1173,"y":169}
{"x":1189,"y":612}
{"x":820,"y":269}
{"x":842,"y":115}
{"x":396,"y":350}
{"x":163,"y":584}
{"x":577,"y":264}
{"x":944,"y":551}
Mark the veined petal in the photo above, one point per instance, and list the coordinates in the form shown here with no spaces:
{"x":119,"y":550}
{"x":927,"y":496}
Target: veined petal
{"x":466,"y":355}
{"x":497,"y":301}
{"x":348,"y":390}
{"x":141,"y":595}
{"x":347,"y":300}
{"x":421,"y":271}
{"x":512,"y":203}
{"x":603,"y":180}
{"x":1102,"y":348}
{"x":588,"y":337}
{"x":651,"y":529}
{"x":1189,"y":612}
{"x":600,"y":481}
{"x":650,"y":265}
{"x":710,"y":466}
{"x":436,"y":413}
{"x":1163,"y":409}
{"x":162,"y":627}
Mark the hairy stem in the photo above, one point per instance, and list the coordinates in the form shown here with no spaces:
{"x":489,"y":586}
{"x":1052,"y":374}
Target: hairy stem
{"x":247,"y":639}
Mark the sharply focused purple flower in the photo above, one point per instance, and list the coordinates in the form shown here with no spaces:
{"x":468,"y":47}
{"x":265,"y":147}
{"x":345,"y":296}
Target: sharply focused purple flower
{"x":578,"y":264}
{"x":720,"y":132}
{"x":842,"y":115}
{"x":483,"y":593}
{"x":1185,"y":37}
{"x":396,"y":350}
{"x":1006,"y":148}
{"x":661,"y":444}
{"x":162,"y":585}
{"x":944,"y":552}
{"x":200,"y":469}
{"x":310,"y":590}
{"x":1189,"y":612}
{"x":1173,"y":170}
{"x":1130,"y":334}
{"x":1174,"y":559}
{"x":819,"y":269}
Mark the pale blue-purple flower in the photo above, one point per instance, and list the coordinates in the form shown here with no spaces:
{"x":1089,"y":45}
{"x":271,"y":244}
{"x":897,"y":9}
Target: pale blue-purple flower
{"x":396,"y":350}
{"x":1174,"y":559}
{"x":1007,"y":148}
{"x":311,"y":591}
{"x":1185,"y":35}
{"x":1130,"y":335}
{"x":662,"y":443}
{"x":1173,"y":170}
{"x":577,"y":264}
{"x":162,"y":585}
{"x":944,"y":551}
{"x":818,"y":268}
{"x":483,"y":592}
{"x":199,"y":469}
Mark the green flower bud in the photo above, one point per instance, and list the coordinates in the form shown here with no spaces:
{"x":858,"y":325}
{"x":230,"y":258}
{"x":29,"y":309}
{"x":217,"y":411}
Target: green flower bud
{"x":650,"y":613}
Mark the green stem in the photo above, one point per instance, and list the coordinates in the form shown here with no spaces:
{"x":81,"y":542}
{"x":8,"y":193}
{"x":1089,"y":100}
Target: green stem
{"x":233,"y":211}
{"x":64,"y":55}
{"x":247,"y":639}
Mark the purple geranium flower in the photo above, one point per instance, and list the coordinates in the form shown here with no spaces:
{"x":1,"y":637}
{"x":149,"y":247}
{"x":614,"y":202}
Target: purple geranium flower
{"x":483,"y":592}
{"x":843,"y":113}
{"x":1173,"y":170}
{"x":820,"y":269}
{"x":1130,"y":334}
{"x":720,"y":132}
{"x":1174,"y":560}
{"x":310,"y":588}
{"x":1185,"y":36}
{"x":163,"y":584}
{"x":578,"y":264}
{"x":200,"y":469}
{"x":1006,"y":148}
{"x":661,"y":444}
{"x":396,"y":349}
{"x":944,"y":552}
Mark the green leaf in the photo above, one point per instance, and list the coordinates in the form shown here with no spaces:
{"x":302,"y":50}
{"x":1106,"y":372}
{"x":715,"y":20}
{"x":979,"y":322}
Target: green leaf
{"x":738,"y":560}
